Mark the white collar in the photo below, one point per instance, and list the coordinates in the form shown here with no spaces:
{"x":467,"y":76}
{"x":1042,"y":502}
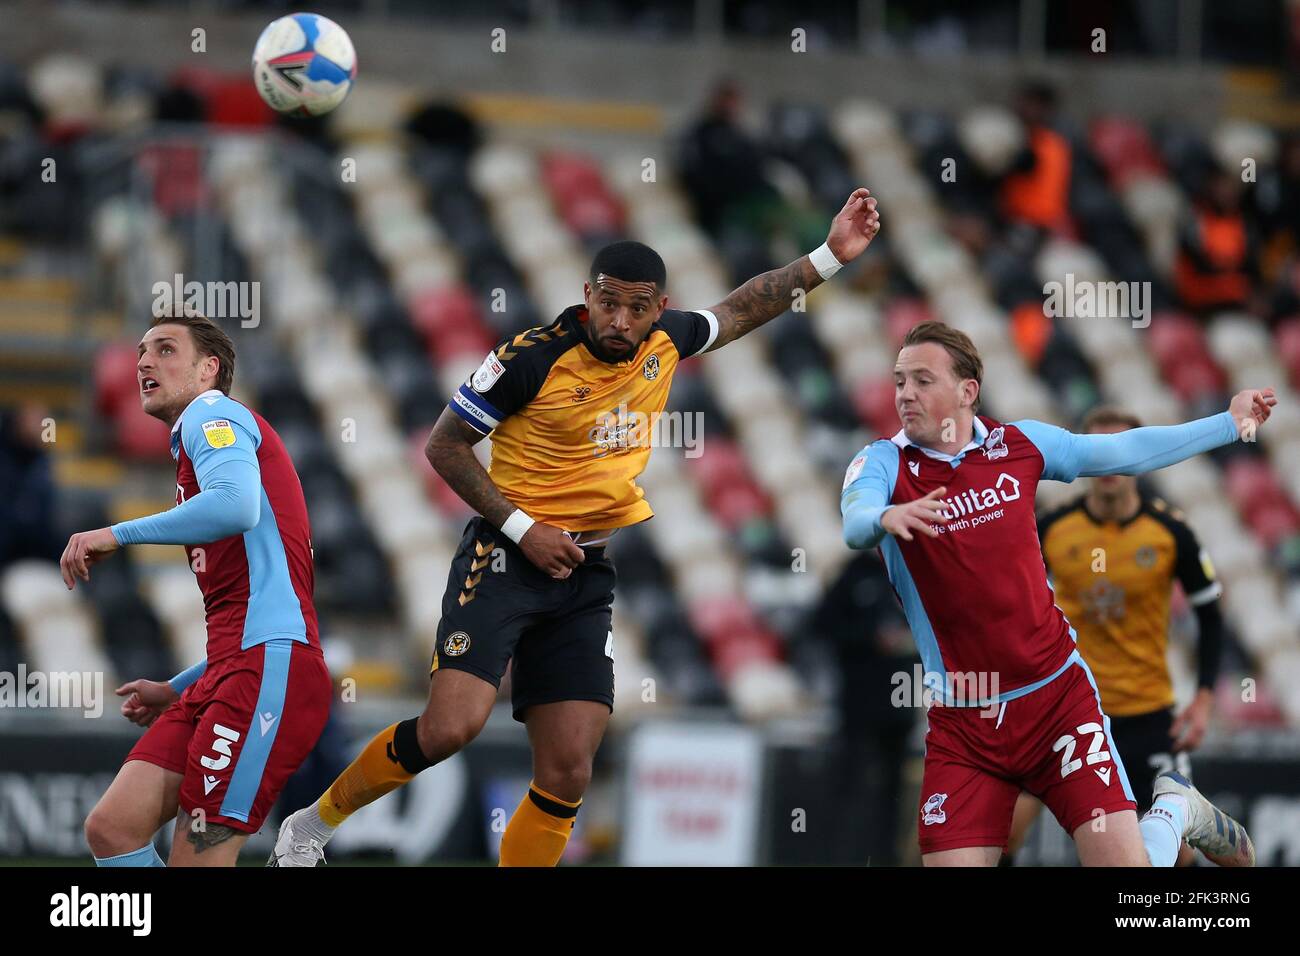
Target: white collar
{"x":176,"y":425}
{"x":978,"y":427}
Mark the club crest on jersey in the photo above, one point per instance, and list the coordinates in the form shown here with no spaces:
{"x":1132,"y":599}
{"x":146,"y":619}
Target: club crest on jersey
{"x":456,"y":644}
{"x":995,"y":446}
{"x":932,"y":812}
{"x":651,"y":368}
{"x":487,"y":373}
{"x":219,"y":433}
{"x":854,"y":469}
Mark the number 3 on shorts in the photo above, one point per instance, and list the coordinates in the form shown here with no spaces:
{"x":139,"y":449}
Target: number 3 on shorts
{"x":1067,"y":742}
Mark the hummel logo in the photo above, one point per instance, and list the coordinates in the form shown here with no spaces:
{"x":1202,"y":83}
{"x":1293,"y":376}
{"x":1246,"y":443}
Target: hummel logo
{"x":267,"y":720}
{"x":1103,"y":776}
{"x":209,"y":784}
{"x":914,"y":467}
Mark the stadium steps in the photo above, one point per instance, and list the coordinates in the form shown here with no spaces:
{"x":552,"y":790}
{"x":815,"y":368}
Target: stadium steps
{"x":550,"y":112}
{"x":1260,"y":95}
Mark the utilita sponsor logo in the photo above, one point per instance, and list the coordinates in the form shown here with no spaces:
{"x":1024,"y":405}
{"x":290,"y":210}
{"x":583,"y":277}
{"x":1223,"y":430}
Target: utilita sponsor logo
{"x":978,"y":500}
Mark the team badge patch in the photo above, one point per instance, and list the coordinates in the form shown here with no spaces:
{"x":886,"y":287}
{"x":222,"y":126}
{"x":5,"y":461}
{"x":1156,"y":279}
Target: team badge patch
{"x":995,"y":445}
{"x":219,"y":433}
{"x":933,"y":812}
{"x":487,"y":373}
{"x":456,"y":644}
{"x":855,"y":469}
{"x":651,"y":368}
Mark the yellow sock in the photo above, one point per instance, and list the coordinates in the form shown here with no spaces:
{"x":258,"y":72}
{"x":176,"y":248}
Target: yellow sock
{"x":390,"y":759}
{"x":539,"y":830}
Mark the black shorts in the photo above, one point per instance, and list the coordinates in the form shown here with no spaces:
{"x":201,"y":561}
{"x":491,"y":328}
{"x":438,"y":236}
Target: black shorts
{"x":1146,"y":748}
{"x":499,"y":605}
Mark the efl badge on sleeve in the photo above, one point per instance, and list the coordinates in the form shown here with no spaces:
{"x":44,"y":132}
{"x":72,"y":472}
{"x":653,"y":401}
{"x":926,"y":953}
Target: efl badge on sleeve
{"x":219,"y":433}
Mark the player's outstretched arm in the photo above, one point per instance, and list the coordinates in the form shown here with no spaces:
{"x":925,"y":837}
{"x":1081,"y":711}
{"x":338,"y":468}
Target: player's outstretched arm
{"x":1067,"y":456}
{"x":450,"y":451}
{"x":766,"y":296}
{"x":865,"y":506}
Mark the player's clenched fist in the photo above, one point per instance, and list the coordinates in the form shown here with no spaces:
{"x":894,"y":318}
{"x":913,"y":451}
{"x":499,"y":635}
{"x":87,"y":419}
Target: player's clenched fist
{"x":551,"y":550}
{"x":145,"y":700}
{"x":917,"y":516}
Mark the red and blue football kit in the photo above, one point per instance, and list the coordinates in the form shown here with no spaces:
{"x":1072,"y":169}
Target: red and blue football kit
{"x":251,"y":712}
{"x":985,"y":620}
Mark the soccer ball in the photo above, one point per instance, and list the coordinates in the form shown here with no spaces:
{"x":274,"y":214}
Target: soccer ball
{"x":304,"y":65}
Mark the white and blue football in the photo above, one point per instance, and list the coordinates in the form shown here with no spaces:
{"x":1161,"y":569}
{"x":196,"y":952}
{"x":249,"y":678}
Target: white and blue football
{"x":304,"y":64}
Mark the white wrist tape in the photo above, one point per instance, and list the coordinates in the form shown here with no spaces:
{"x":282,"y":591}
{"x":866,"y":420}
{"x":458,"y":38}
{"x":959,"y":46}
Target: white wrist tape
{"x":824,"y":261}
{"x":517,"y":525}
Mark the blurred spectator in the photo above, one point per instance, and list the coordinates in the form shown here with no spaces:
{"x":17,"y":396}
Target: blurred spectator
{"x":26,"y":488}
{"x":1037,"y":189}
{"x":1277,"y":206}
{"x":1216,"y":254}
{"x":722,"y":167}
{"x":861,"y":617}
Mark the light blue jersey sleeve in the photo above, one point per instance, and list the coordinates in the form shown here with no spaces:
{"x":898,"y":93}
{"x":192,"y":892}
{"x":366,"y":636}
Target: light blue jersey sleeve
{"x":221,"y":441}
{"x":1067,"y":456}
{"x":188,"y":676}
{"x":868,"y":486}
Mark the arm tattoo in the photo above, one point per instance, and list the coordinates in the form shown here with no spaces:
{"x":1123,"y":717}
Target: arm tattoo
{"x":211,"y":834}
{"x":451,"y":453}
{"x":762,"y":299}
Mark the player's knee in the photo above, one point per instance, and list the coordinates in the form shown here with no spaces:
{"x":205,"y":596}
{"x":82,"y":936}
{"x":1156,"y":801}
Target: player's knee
{"x":438,"y":740}
{"x":565,"y":776}
{"x":105,"y":834}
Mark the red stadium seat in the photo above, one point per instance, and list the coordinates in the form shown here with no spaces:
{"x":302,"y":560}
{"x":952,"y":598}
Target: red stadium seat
{"x":874,"y":403}
{"x":444,"y":309}
{"x":448,"y":503}
{"x":1273,"y":522}
{"x":716,"y":617}
{"x":737,"y":650}
{"x":140,"y":437}
{"x":115,"y":378}
{"x":1124,"y":148}
{"x":1175,"y":337}
{"x":1288,"y":347}
{"x":1193,"y":379}
{"x":1249,"y":479}
{"x":176,"y":170}
{"x":722,"y":463}
{"x":734,"y":505}
{"x":596,"y":214}
{"x":901,"y":315}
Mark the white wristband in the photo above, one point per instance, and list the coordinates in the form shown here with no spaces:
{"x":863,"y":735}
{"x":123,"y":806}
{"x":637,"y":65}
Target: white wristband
{"x":824,"y":261}
{"x":517,"y":525}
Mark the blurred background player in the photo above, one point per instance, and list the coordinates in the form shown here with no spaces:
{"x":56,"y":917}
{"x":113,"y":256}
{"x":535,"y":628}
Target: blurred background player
{"x":1120,"y":609}
{"x":949,"y":500}
{"x":226,"y":734}
{"x":556,"y":491}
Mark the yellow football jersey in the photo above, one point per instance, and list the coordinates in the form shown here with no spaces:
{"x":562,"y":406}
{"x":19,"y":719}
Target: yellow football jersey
{"x":1113,"y":582}
{"x":570,"y":431}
